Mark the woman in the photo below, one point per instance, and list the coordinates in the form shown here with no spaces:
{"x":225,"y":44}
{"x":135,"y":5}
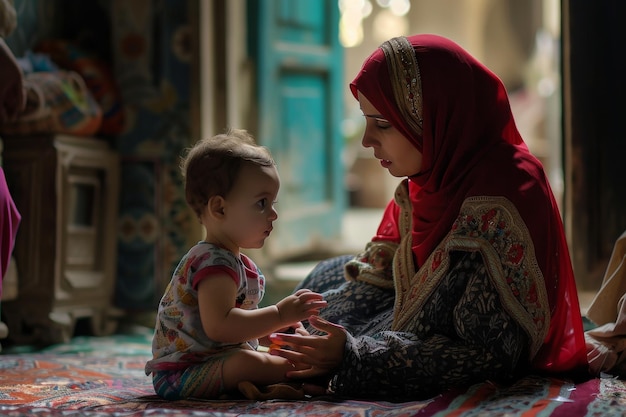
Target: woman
{"x":468,"y":277}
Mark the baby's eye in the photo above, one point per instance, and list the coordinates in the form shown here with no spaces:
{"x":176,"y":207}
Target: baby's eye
{"x":262,"y":204}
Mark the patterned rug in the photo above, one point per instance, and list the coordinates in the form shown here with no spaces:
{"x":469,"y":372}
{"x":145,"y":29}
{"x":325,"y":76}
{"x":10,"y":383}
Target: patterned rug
{"x":102,"y":377}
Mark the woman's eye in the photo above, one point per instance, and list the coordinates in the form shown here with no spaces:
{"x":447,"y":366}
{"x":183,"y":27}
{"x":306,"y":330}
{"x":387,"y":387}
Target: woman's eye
{"x":379,"y":122}
{"x":382,"y":124}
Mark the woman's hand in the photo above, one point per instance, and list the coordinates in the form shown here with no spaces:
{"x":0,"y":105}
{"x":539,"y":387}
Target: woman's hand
{"x":296,"y":328}
{"x":322,"y":354}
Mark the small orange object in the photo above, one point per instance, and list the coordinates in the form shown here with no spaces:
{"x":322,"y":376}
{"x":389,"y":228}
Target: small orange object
{"x":274,"y":346}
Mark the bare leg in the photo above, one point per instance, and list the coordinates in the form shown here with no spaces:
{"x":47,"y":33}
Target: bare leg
{"x":259,"y":368}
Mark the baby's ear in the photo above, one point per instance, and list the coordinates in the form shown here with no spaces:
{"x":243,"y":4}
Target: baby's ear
{"x":215,"y":206}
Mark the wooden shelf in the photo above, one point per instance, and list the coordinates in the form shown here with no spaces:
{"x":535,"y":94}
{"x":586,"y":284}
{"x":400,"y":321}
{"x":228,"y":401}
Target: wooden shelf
{"x":66,"y":189}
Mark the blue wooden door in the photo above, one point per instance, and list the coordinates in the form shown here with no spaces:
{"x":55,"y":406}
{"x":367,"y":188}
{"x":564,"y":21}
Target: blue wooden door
{"x":299,"y":61}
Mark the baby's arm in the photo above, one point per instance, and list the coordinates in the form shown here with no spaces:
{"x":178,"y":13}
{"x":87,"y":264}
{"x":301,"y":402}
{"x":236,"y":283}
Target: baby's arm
{"x":224,"y":322}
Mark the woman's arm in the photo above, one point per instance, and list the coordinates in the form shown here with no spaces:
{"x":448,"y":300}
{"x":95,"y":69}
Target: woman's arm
{"x":463,"y":335}
{"x":406,"y":367}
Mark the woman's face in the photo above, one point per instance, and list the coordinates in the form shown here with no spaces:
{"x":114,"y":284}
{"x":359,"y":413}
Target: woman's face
{"x":394,"y":150}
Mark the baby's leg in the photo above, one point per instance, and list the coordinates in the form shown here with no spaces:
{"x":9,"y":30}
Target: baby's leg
{"x":259,"y":368}
{"x":202,"y":380}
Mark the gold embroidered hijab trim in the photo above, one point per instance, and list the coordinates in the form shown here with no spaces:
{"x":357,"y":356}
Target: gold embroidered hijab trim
{"x":493,"y":227}
{"x":403,"y":264}
{"x":406,"y":80}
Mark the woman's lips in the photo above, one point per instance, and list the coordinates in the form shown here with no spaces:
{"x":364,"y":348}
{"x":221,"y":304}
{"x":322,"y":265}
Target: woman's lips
{"x":385,"y":163}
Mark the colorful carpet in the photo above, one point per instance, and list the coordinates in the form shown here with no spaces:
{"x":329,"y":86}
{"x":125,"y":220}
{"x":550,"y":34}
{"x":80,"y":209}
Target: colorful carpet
{"x":102,"y":377}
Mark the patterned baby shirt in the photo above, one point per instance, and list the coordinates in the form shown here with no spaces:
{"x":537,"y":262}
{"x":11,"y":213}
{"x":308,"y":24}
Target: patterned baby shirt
{"x":179,"y":339}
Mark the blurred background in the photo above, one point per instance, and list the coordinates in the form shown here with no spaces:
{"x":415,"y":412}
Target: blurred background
{"x":165,"y":73}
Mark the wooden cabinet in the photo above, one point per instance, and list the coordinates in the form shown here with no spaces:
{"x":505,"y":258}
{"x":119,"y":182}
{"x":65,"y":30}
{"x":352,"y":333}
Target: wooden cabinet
{"x":66,"y":189}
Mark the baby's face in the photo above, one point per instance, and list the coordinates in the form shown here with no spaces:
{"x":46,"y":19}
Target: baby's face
{"x":249,"y":209}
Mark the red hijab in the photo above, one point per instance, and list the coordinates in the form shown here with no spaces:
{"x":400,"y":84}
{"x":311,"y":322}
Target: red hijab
{"x":471,"y":147}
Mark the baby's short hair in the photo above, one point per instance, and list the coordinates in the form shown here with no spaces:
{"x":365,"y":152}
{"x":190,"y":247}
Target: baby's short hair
{"x":212,"y":165}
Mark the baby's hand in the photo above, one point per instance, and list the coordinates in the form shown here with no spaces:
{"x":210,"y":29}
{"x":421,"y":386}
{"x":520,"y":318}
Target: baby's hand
{"x":299,"y":306}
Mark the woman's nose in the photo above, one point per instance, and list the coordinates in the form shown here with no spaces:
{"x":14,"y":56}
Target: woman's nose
{"x":366,"y":141}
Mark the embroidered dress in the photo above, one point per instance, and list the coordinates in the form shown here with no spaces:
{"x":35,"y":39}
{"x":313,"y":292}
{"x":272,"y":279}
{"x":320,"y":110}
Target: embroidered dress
{"x":179,"y":340}
{"x":461,"y":322}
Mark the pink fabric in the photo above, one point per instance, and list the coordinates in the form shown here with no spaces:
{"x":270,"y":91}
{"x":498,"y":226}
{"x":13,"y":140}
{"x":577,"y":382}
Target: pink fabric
{"x":471,"y":147}
{"x":12,"y":101}
{"x":9,"y":222}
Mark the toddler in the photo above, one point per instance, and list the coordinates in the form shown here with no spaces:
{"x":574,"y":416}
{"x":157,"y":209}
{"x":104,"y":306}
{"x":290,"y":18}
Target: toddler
{"x":208,"y":325}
